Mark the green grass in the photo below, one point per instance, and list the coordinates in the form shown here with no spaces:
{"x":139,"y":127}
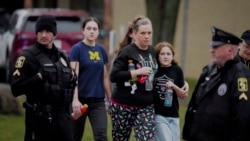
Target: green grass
{"x":12,"y":127}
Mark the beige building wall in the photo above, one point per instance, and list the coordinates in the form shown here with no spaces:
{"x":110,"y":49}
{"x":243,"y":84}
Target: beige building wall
{"x":230,"y":15}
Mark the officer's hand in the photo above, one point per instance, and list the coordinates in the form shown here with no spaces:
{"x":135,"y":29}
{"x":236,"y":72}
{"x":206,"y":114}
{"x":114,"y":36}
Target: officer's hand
{"x":41,"y":73}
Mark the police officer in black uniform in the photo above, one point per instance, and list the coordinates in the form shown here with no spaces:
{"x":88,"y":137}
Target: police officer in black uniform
{"x":219,"y":107}
{"x":42,"y":73}
{"x":244,"y":48}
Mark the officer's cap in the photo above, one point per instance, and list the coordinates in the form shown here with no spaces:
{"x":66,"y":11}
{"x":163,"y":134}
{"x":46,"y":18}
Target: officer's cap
{"x":47,"y":22}
{"x":221,"y":37}
{"x":246,"y":36}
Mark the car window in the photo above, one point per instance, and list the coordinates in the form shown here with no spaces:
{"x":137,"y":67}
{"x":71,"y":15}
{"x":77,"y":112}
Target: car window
{"x":29,"y":25}
{"x":64,"y":24}
{"x":68,"y":24}
{"x":13,"y":22}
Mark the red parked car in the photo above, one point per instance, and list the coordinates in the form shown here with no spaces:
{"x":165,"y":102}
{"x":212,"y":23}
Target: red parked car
{"x":21,"y":33}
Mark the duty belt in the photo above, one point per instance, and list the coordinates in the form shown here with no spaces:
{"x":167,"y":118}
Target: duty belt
{"x":45,"y":108}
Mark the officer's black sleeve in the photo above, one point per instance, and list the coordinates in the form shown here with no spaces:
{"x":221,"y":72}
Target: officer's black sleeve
{"x":23,"y":77}
{"x":191,"y":110}
{"x":241,"y":110}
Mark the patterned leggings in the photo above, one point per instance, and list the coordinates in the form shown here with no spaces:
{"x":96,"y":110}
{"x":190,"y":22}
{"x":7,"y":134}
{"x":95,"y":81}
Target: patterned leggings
{"x":125,"y":117}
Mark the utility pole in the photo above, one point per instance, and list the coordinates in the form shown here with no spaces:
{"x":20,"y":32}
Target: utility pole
{"x":184,"y":34}
{"x":107,"y":22}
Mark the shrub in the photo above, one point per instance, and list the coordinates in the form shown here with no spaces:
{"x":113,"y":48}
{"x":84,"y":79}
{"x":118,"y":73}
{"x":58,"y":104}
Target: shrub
{"x":8,"y":103}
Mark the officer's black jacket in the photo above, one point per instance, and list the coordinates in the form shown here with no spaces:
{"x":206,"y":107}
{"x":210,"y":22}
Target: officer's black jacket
{"x":218,"y":112}
{"x":246,"y":63}
{"x":24,"y":78}
{"x":47,"y":114}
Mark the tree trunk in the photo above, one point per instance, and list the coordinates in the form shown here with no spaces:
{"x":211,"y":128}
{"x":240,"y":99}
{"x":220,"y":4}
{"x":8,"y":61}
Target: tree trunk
{"x":163,"y":14}
{"x":107,"y":26}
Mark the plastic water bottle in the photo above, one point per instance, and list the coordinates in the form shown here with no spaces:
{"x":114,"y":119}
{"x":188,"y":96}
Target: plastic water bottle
{"x":83,"y":109}
{"x":168,"y":98}
{"x":131,"y":66}
{"x":149,"y":83}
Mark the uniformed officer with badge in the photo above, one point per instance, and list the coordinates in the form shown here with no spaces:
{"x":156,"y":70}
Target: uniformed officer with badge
{"x":42,"y":73}
{"x":244,"y":48}
{"x":219,"y":107}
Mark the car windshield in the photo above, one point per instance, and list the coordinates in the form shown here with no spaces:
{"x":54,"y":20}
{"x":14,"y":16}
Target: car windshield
{"x":64,"y":24}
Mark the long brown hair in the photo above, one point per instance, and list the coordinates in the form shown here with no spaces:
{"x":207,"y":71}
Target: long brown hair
{"x":90,"y":19}
{"x":158,"y":49}
{"x":133,"y":26}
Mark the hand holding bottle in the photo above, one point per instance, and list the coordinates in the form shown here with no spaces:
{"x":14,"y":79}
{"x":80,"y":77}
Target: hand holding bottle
{"x":144,"y":72}
{"x":83,"y":109}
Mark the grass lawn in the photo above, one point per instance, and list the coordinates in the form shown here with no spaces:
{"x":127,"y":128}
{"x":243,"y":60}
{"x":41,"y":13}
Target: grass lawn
{"x":12,"y":127}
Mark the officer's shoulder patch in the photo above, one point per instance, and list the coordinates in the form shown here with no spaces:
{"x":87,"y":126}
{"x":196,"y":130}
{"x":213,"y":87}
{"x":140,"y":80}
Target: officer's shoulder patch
{"x":20,"y":62}
{"x":16,"y":73}
{"x":243,"y":96}
{"x":242,"y":84}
